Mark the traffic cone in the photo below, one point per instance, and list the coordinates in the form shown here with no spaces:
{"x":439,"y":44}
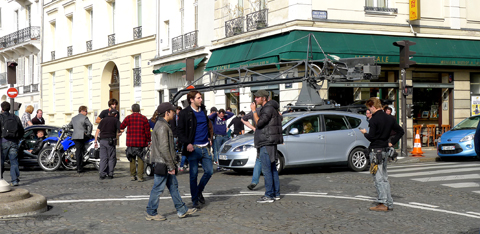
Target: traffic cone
{"x":417,"y":146}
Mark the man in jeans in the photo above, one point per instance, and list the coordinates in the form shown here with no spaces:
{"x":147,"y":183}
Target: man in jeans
{"x":138,"y":137}
{"x":10,"y":141}
{"x":268,"y":135}
{"x":219,"y":120}
{"x":195,"y":132}
{"x":381,"y":126}
{"x":163,"y":154}
{"x":257,"y":169}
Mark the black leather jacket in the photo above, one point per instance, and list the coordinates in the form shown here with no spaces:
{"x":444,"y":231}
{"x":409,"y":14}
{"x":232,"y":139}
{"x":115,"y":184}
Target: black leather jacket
{"x":269,"y":125}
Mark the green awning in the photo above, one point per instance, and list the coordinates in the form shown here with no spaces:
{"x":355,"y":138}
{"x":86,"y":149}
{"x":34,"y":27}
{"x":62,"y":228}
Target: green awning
{"x":176,"y":67}
{"x":430,"y":51}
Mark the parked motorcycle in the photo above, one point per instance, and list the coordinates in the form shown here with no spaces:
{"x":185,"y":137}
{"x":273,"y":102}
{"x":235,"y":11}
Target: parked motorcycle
{"x":61,"y":151}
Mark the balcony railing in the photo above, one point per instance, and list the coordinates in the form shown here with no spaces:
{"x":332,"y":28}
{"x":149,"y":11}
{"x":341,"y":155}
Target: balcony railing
{"x":34,"y":88}
{"x":137,"y":32}
{"x":234,"y":27}
{"x":381,"y":9}
{"x":20,"y":36}
{"x":137,"y":77}
{"x":69,"y":50}
{"x":111,"y":40}
{"x":89,"y":45}
{"x":52,"y":54}
{"x":26,"y":89}
{"x":257,"y":20}
{"x":177,"y":44}
{"x":190,"y":40}
{"x":3,"y":78}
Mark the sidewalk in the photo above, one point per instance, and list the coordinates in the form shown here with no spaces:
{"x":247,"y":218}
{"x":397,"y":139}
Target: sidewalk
{"x":429,"y":155}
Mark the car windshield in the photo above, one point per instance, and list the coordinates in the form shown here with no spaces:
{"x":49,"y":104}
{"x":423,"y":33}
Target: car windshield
{"x":287,"y":119}
{"x":468,"y":123}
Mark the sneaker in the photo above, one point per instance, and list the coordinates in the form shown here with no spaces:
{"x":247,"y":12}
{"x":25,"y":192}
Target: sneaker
{"x":102,"y":177}
{"x":201,"y":199}
{"x":277,"y":198}
{"x":14,"y":183}
{"x":189,"y":212}
{"x":133,"y":178}
{"x":180,"y":169}
{"x":156,"y":217}
{"x":141,"y":179}
{"x":110,"y":176}
{"x":251,"y":186}
{"x":265,"y":199}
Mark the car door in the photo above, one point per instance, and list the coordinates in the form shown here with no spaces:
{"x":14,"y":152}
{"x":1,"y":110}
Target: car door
{"x":338,"y":137}
{"x":304,"y":147}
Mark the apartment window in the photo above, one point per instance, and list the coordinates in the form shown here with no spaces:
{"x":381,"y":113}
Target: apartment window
{"x":90,"y":97}
{"x":29,"y":15}
{"x":53,"y":92}
{"x":167,"y":32}
{"x":113,"y":17}
{"x":240,"y":8}
{"x":0,"y":17}
{"x":70,"y":77}
{"x":139,"y":13}
{"x":196,"y":14}
{"x":16,"y":20}
{"x":376,"y":3}
{"x":90,"y":25}
{"x":261,"y":6}
{"x":53,"y":28}
{"x":70,"y":29}
{"x":137,"y":72}
{"x":160,"y":96}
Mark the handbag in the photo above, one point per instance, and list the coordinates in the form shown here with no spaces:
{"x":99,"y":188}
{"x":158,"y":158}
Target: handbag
{"x":160,"y":169}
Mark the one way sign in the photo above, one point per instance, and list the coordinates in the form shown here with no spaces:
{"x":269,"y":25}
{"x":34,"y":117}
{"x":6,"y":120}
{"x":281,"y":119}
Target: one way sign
{"x":12,"y":92}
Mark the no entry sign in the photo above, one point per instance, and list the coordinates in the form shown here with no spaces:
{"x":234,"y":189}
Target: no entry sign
{"x":12,"y":92}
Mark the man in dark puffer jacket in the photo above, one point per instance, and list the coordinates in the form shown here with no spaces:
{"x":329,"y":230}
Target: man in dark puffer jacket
{"x":267,"y":135}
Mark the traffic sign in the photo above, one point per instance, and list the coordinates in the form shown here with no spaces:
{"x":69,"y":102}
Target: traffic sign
{"x":12,"y":92}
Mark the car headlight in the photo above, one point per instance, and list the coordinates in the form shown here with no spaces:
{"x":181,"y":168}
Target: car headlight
{"x":468,"y":137}
{"x":243,"y":148}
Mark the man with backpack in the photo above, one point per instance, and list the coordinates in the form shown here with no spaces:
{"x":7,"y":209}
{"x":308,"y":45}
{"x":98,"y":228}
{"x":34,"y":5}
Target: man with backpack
{"x":12,"y":132}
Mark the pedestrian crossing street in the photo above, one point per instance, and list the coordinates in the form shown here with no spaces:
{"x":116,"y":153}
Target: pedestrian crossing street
{"x":457,"y":175}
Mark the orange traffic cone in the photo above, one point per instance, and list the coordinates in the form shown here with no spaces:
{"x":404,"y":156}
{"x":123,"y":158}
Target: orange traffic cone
{"x":417,"y":147}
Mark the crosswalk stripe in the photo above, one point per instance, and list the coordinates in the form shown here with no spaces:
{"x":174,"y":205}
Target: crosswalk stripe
{"x":463,"y":185}
{"x":423,"y":173}
{"x":433,"y":167}
{"x":445,"y":178}
{"x":418,"y":165}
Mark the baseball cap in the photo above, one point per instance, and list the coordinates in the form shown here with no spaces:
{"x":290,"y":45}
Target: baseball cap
{"x":164,"y":107}
{"x":261,"y":93}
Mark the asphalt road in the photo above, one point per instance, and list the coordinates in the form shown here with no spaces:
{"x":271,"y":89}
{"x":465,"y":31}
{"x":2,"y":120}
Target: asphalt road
{"x":314,"y":200}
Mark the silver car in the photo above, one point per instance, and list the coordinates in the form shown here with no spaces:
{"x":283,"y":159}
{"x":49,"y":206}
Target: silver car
{"x":310,"y":139}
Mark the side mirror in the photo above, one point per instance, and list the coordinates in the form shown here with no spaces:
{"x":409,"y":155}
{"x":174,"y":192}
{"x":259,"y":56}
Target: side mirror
{"x":293,"y":131}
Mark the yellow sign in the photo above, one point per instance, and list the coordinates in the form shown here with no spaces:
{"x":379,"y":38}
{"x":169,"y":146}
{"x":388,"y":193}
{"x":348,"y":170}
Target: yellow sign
{"x":475,"y":105}
{"x":414,"y":13}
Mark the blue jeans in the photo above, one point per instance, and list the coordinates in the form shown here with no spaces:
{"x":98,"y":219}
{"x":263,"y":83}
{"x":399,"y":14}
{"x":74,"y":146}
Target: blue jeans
{"x":381,"y":182}
{"x":182,"y":162}
{"x":270,"y":174}
{"x":218,"y":142}
{"x":159,"y":183}
{"x":257,"y":170}
{"x":10,"y":149}
{"x":199,"y":155}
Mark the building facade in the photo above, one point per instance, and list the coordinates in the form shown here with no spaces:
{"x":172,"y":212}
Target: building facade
{"x":95,"y":51}
{"x":20,"y":41}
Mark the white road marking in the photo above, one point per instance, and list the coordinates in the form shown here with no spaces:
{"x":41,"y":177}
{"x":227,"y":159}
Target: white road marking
{"x":358,"y":198}
{"x":424,"y":173}
{"x":366,"y":197}
{"x":251,"y":192}
{"x":474,"y":213}
{"x":422,"y":204}
{"x":463,"y":185}
{"x":138,"y":196}
{"x":419,"y":165}
{"x":445,"y":178}
{"x":433,"y":167}
{"x":314,"y":193}
{"x":476,"y":191}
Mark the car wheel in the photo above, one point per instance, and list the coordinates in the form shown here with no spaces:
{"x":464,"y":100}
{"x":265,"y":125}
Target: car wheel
{"x":357,"y":160}
{"x":47,"y":163}
{"x":149,"y":170}
{"x":280,"y":163}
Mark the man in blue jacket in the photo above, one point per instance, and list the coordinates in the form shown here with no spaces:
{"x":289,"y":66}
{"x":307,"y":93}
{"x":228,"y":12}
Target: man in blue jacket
{"x":219,"y":120}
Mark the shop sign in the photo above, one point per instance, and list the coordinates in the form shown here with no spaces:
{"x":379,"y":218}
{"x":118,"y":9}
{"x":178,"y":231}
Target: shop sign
{"x":319,"y":15}
{"x":414,"y":13}
{"x":475,"y":105}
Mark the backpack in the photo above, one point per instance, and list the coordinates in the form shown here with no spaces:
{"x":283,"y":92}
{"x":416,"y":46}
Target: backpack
{"x":9,"y":126}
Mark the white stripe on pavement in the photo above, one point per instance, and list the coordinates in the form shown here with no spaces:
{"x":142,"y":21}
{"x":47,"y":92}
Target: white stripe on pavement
{"x":422,"y":204}
{"x":434,"y":167}
{"x":419,"y":165}
{"x":476,"y":191}
{"x":317,"y":193}
{"x":445,"y":178}
{"x":474,"y":213}
{"x":424,"y":173}
{"x":463,"y":185}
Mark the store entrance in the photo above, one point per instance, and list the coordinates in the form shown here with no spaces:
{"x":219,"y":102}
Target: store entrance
{"x":428,"y":114}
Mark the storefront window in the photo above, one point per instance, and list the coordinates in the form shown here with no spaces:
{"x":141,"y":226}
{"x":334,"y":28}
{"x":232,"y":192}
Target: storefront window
{"x":233,"y":100}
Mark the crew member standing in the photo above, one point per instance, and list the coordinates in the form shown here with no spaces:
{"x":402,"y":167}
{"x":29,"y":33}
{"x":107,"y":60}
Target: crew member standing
{"x":381,"y":125}
{"x":238,"y":126}
{"x":82,"y":128}
{"x":108,"y":129}
{"x":219,"y":120}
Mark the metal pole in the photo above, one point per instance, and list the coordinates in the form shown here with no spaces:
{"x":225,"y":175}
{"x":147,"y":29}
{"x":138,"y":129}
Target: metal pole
{"x":404,"y":113}
{"x":12,"y":102}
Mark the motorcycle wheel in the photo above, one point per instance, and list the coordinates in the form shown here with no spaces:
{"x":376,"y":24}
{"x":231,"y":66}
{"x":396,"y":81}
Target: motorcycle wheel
{"x":67,"y":161}
{"x":49,"y":165}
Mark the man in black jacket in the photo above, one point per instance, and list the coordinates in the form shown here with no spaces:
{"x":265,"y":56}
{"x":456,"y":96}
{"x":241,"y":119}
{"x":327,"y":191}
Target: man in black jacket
{"x":267,"y":135}
{"x":195,"y":132}
{"x":381,"y":125}
{"x":12,"y":132}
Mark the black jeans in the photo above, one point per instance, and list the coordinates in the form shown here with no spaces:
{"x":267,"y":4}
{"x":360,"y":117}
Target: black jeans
{"x":79,"y":146}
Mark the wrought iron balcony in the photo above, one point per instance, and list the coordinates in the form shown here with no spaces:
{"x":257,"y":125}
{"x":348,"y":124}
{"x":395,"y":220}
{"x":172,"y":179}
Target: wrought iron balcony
{"x":381,"y":9}
{"x":89,"y":45}
{"x":69,"y":50}
{"x":26,"y":89}
{"x":177,"y":44}
{"x":52,"y":55}
{"x":137,"y":77}
{"x":190,"y":40}
{"x":3,"y":78}
{"x":34,"y":88}
{"x":257,"y":20}
{"x":20,"y":36}
{"x":111,"y":39}
{"x":234,"y":27}
{"x":137,"y":32}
